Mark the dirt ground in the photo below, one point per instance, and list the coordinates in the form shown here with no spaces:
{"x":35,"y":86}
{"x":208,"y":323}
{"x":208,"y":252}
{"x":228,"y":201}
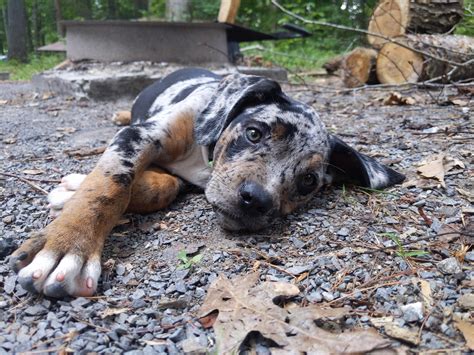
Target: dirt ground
{"x":351,"y":247}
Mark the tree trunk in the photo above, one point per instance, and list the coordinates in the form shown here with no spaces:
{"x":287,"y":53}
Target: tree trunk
{"x":228,"y":11}
{"x":358,"y":67}
{"x":397,"y":65}
{"x":178,"y":10}
{"x":59,"y":18}
{"x":17,"y":35}
{"x":393,"y":18}
{"x":112,"y":9}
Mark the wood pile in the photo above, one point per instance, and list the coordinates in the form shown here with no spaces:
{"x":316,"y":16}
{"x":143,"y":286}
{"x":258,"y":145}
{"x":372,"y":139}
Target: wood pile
{"x":410,"y":44}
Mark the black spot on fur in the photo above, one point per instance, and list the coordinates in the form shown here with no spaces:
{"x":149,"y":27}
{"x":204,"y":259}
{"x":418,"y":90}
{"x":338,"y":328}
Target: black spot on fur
{"x":236,"y":147}
{"x":123,"y":179}
{"x":127,"y":163}
{"x":184,"y":93}
{"x":126,"y":139}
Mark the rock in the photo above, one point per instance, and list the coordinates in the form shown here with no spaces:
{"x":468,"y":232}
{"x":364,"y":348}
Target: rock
{"x":120,"y":269}
{"x":469,"y":256}
{"x":10,"y":283}
{"x":36,"y":310}
{"x":343,"y":232}
{"x":297,"y":270}
{"x":449,"y":266}
{"x":328,"y":296}
{"x":80,"y":302}
{"x":412,"y":312}
{"x":8,"y":219}
{"x":466,"y":301}
{"x":138,"y":294}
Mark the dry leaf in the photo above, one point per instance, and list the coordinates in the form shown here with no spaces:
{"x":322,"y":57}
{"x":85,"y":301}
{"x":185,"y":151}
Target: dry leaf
{"x":33,"y":172}
{"x":113,"y":311}
{"x":395,"y":98}
{"x":467,"y":330}
{"x":122,"y":118}
{"x":244,"y":305}
{"x":395,"y":331}
{"x":438,"y":166}
{"x":3,"y":102}
{"x":466,"y":193}
{"x":447,"y":233}
{"x":459,"y":102}
{"x":426,"y":292}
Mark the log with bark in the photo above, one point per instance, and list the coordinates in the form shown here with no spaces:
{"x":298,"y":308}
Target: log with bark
{"x":358,"y":67}
{"x":392,"y":18}
{"x":396,"y":64}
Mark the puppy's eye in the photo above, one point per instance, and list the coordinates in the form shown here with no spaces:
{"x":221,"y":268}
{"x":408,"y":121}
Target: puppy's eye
{"x":309,"y":180}
{"x":253,"y":134}
{"x":307,"y":183}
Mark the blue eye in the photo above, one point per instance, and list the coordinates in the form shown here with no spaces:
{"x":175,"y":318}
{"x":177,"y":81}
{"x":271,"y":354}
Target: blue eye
{"x":253,"y":134}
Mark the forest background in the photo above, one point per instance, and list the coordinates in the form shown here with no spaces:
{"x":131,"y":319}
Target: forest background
{"x":42,"y":27}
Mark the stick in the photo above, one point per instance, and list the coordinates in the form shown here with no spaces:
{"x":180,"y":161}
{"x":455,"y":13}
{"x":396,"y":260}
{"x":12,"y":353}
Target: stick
{"x":34,"y":186}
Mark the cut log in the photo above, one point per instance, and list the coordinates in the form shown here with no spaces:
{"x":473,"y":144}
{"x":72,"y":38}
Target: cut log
{"x":393,"y":18}
{"x":228,"y":11}
{"x":358,"y":67}
{"x":397,"y":65}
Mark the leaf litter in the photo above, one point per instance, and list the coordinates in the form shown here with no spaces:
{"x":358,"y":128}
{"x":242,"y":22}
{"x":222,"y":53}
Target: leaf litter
{"x":241,"y":306}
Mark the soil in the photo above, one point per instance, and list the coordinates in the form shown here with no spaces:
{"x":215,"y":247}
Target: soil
{"x":350,"y":246}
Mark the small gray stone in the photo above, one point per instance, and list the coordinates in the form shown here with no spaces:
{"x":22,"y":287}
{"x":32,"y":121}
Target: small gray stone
{"x":10,"y":283}
{"x":469,"y":256}
{"x":299,"y":269}
{"x":138,"y":303}
{"x":328,"y":296}
{"x":80,"y":302}
{"x":36,"y":310}
{"x":449,"y":266}
{"x":120,"y":269}
{"x":8,"y":219}
{"x":412,"y":312}
{"x":343,"y":232}
{"x":181,"y":286}
{"x":139,"y":293}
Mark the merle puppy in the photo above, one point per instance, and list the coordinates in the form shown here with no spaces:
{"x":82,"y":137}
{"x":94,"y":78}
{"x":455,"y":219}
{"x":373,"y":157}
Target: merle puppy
{"x":256,"y":152}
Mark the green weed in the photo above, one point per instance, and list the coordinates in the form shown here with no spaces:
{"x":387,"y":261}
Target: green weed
{"x":401,"y":251}
{"x":186,"y":262}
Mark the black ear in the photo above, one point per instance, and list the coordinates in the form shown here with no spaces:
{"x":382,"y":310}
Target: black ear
{"x":348,"y":165}
{"x":234,"y":94}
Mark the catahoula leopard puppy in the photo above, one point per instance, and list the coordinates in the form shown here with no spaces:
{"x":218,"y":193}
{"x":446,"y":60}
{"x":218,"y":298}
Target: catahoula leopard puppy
{"x":270,"y":154}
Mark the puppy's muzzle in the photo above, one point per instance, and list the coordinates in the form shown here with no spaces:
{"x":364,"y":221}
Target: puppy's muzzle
{"x":254,"y":200}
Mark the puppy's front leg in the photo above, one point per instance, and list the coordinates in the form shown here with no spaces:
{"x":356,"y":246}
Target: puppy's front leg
{"x":64,"y":258}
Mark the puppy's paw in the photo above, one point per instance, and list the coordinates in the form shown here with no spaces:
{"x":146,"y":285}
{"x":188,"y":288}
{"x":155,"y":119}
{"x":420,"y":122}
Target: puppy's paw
{"x":122,"y":118}
{"x":61,"y":194}
{"x":58,"y":266}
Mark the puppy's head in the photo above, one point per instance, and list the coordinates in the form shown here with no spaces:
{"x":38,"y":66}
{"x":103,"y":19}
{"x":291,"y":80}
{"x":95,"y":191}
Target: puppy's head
{"x":271,"y":153}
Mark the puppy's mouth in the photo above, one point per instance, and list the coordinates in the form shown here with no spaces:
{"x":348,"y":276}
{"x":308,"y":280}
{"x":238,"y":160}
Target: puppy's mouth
{"x":237,"y":222}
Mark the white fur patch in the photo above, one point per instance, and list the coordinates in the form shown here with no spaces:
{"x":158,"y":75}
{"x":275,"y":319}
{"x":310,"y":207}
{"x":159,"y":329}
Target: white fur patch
{"x":58,"y":197}
{"x":73,"y":181}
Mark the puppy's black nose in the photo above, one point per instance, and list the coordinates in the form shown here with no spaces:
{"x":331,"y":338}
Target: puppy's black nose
{"x":254,"y":199}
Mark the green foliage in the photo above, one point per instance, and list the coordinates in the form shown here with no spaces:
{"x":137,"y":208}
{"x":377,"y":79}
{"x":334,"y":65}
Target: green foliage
{"x":186,"y":262}
{"x":466,"y":26}
{"x":401,"y":251}
{"x":36,"y":64}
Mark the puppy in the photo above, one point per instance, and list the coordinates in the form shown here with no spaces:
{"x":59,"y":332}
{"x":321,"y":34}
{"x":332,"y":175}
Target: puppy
{"x":256,"y":152}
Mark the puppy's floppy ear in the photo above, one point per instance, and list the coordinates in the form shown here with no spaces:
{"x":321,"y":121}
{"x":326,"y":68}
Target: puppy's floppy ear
{"x":348,"y":165}
{"x":234,"y":94}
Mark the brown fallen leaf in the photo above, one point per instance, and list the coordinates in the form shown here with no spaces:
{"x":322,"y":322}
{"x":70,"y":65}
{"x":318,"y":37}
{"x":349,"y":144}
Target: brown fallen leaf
{"x":113,"y":311}
{"x":244,"y":305}
{"x":33,"y":172}
{"x":426,"y":292}
{"x":436,"y":167}
{"x":122,"y":118}
{"x":395,"y":331}
{"x":467,"y":330}
{"x":395,"y":98}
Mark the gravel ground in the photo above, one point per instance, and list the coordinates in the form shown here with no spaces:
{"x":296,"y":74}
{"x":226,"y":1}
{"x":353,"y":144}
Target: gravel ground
{"x":341,"y":250}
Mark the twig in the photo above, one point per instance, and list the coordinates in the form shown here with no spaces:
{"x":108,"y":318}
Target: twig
{"x":34,"y":186}
{"x":358,"y":30}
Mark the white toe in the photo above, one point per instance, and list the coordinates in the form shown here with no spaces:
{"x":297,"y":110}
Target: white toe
{"x":73,"y":181}
{"x":58,"y":197}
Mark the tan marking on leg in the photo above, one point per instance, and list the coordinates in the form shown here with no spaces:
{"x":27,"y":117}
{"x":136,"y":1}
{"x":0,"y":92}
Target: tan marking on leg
{"x":153,"y":191}
{"x":181,"y":137}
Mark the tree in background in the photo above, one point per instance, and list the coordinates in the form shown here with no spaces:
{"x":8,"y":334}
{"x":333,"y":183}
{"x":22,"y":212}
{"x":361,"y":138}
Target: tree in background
{"x":17,"y":31}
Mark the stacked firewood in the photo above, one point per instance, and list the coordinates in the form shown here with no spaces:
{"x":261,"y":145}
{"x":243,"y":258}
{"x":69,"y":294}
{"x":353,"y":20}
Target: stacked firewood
{"x":413,"y":45}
